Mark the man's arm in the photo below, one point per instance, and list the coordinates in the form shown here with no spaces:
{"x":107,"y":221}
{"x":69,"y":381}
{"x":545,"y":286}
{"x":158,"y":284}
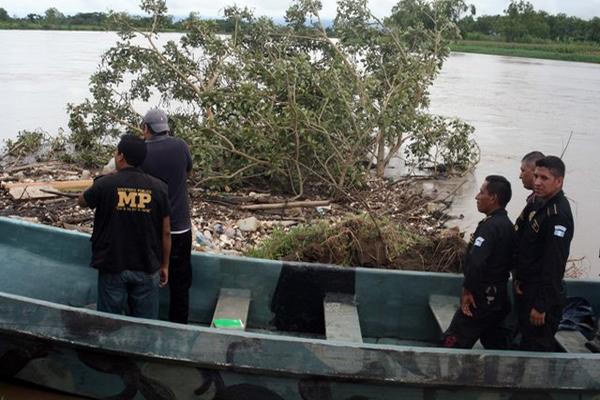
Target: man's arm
{"x":166,"y":251}
{"x":90,"y":197}
{"x":557,"y":241}
{"x":478,"y":256}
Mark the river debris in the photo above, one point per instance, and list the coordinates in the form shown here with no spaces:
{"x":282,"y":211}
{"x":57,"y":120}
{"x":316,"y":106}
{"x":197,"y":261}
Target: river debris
{"x":236,"y":222}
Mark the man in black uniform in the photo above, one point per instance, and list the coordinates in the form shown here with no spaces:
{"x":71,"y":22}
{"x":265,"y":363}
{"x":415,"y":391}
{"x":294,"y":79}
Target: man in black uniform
{"x":131,"y":241}
{"x":484,"y":300}
{"x":527,"y":178}
{"x":542,"y":254}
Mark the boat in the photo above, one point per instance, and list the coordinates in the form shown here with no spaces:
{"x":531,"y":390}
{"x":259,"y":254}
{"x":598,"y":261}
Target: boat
{"x":260,"y":329}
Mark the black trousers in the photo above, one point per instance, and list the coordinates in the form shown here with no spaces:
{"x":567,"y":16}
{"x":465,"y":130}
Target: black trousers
{"x":539,"y":338}
{"x":180,"y":276}
{"x":485,"y":325}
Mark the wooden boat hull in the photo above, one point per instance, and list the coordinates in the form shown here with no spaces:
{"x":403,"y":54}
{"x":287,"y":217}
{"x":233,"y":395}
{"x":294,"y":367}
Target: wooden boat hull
{"x":81,"y":351}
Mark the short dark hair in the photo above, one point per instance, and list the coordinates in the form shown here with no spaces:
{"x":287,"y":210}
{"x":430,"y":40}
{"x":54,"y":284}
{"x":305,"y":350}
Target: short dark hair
{"x":499,"y":186}
{"x":555,"y":165}
{"x":133,"y":149}
{"x":532,"y":157}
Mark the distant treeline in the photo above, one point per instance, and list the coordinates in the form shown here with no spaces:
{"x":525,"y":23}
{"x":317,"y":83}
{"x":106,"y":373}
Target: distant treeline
{"x":54,"y":19}
{"x":521,"y":22}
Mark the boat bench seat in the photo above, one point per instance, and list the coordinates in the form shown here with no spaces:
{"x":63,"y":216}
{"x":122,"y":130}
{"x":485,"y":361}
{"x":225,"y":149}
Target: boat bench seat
{"x":572,"y":341}
{"x":232,"y":308}
{"x":443,"y":309}
{"x":341,"y":318}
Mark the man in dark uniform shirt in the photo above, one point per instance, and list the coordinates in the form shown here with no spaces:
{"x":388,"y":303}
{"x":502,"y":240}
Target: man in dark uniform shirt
{"x":131,"y":240}
{"x":527,"y":178}
{"x":169,"y":159}
{"x":484,"y":300}
{"x":543,"y":251}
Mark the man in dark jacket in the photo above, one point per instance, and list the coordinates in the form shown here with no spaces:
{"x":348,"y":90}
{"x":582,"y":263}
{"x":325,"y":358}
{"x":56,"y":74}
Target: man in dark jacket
{"x":527,"y":178}
{"x":131,"y":238}
{"x":484,"y":300}
{"x":543,"y":251}
{"x":169,"y":159}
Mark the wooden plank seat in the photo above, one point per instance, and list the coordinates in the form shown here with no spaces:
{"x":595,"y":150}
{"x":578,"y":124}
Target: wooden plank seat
{"x":341,"y":318}
{"x":572,"y":341}
{"x":443,"y":309}
{"x":232,"y":308}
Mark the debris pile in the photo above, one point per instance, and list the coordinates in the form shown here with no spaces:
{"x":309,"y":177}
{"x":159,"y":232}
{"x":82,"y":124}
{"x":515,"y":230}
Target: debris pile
{"x":236,"y":222}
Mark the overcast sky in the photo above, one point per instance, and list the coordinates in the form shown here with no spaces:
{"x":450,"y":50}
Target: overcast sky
{"x":275,"y":8}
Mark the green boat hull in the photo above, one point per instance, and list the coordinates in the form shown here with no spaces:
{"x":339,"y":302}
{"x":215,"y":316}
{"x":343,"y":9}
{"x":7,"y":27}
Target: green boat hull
{"x":48,"y":337}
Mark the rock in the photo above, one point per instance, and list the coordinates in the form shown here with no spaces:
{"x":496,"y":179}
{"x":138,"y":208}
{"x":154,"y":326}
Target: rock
{"x":230,"y":233}
{"x":286,"y":224}
{"x":218,"y":229}
{"x":248,"y":224}
{"x":20,"y":175}
{"x":85,"y":174}
{"x":207,"y":234}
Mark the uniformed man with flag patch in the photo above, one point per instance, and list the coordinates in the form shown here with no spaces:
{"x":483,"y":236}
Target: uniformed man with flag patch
{"x":543,"y":251}
{"x":484,"y":302}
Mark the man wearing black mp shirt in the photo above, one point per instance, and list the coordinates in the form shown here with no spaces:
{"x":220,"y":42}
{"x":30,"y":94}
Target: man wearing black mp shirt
{"x":131,"y":241}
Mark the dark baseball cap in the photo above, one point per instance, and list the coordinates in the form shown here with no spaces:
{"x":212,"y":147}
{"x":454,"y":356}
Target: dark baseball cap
{"x":157,"y":120}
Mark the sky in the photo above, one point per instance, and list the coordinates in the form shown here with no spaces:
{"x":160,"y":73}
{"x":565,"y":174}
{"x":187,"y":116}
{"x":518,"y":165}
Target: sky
{"x":276,"y":8}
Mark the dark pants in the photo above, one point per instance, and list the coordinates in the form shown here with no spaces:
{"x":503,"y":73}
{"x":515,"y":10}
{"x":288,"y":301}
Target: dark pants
{"x":134,"y":289}
{"x":538,"y":338}
{"x":180,"y":277}
{"x":485,"y":325}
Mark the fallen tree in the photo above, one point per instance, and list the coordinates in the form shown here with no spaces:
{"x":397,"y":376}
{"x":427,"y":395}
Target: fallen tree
{"x":287,"y":107}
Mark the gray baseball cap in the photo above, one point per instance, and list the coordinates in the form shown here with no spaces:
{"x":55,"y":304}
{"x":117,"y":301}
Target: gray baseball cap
{"x":157,"y":120}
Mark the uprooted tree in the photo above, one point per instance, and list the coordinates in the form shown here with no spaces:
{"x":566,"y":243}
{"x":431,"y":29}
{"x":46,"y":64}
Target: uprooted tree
{"x":292,"y":106}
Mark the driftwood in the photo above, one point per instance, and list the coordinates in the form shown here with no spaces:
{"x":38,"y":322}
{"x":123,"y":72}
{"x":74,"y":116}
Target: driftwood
{"x":70,"y":195}
{"x":32,"y":166}
{"x":287,"y":204}
{"x":39,"y":190}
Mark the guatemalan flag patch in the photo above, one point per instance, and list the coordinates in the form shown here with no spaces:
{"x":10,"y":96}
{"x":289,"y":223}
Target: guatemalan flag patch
{"x":559,"y":230}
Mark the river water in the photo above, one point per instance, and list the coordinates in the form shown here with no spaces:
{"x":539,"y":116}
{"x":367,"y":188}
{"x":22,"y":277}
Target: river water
{"x":516,"y":105}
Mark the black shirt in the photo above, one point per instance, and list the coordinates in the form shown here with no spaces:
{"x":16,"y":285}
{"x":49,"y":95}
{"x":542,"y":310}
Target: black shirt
{"x":169,"y":159}
{"x":490,"y":252}
{"x":543,"y":250}
{"x":130,"y":208}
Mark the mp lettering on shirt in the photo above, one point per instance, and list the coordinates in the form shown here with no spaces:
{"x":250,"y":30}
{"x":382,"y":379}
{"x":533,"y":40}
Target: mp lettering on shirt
{"x":134,"y":199}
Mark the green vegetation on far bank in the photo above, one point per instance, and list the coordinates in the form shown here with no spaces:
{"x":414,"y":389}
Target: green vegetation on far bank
{"x":581,"y":52}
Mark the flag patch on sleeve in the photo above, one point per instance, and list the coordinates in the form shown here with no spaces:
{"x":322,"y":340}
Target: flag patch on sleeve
{"x":479,"y":241}
{"x":559,"y":230}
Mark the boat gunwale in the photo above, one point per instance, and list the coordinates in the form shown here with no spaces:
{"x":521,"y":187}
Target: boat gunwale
{"x":335,"y":356}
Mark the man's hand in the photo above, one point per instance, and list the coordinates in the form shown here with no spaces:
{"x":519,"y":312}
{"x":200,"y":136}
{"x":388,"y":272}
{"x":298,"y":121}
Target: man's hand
{"x":518,"y":289}
{"x":164,"y":275}
{"x":537,"y":318}
{"x":466,"y":302}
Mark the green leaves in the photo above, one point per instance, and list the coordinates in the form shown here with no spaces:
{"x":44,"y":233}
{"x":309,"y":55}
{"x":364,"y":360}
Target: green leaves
{"x":286,"y":107}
